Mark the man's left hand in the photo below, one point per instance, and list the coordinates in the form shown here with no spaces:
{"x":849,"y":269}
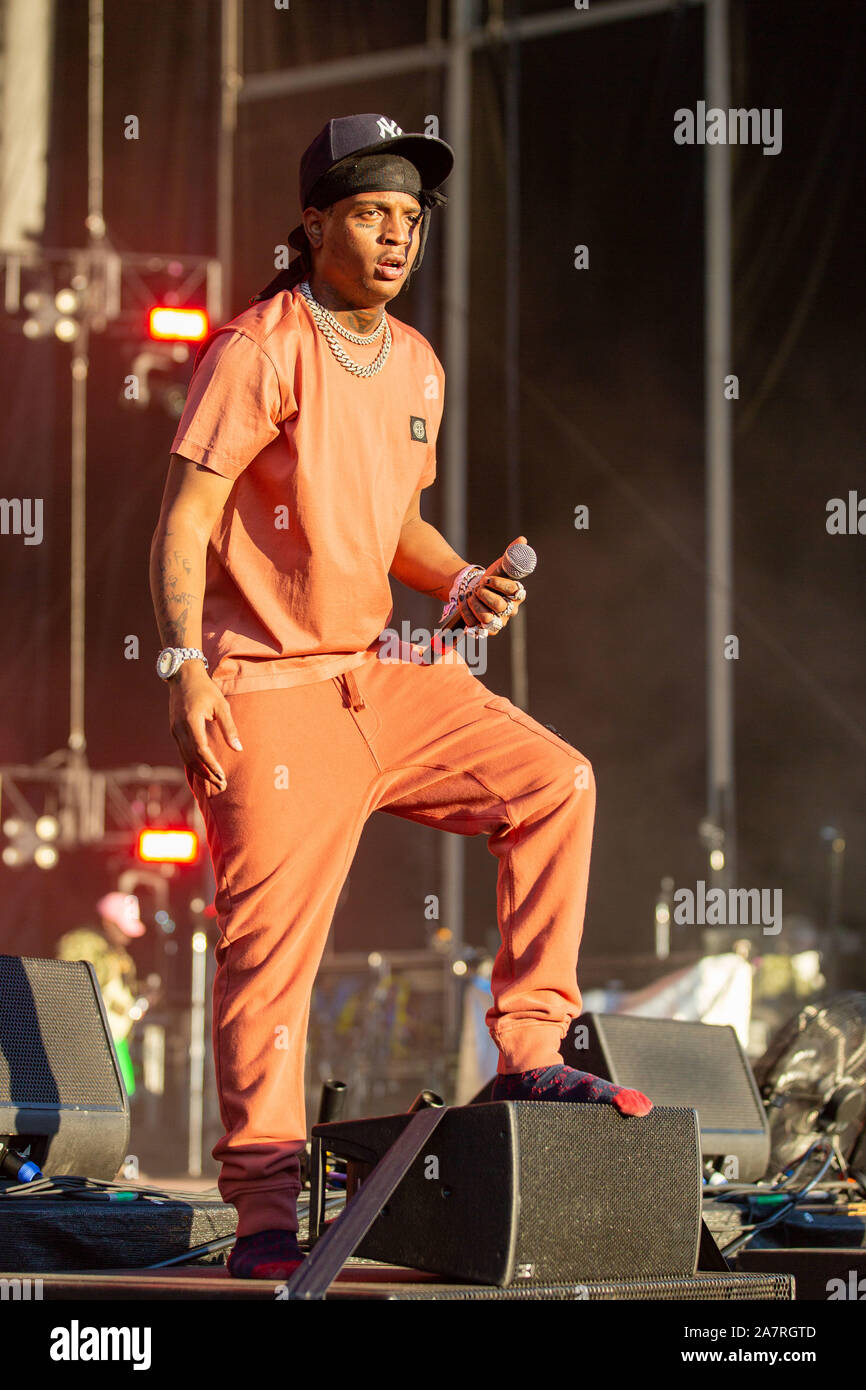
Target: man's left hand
{"x":492,"y":601}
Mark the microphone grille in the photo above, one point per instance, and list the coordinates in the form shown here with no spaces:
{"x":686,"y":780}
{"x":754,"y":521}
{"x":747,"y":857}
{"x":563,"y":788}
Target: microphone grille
{"x":519,"y":560}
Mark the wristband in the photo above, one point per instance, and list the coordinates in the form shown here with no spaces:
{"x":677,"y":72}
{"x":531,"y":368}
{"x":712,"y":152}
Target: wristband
{"x":462,"y":581}
{"x":460,"y":587}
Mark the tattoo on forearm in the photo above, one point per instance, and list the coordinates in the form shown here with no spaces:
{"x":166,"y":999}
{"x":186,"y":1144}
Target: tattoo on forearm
{"x":172,"y":628}
{"x":172,"y":567}
{"x":180,"y":626}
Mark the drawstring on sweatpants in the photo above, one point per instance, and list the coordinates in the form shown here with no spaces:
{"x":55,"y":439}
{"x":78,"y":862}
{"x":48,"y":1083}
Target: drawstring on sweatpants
{"x":357,"y":700}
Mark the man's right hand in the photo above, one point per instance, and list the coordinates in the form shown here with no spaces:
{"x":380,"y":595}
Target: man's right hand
{"x":194,"y":700}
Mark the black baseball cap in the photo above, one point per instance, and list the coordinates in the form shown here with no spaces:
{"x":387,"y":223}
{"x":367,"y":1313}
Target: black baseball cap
{"x":371,"y":134}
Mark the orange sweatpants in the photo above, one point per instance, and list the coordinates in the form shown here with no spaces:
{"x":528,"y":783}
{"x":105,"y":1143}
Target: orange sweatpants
{"x":427,"y":742}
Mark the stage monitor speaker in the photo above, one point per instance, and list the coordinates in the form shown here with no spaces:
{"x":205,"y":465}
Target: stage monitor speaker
{"x":61,"y":1089}
{"x":533,"y":1192}
{"x":700,"y":1065}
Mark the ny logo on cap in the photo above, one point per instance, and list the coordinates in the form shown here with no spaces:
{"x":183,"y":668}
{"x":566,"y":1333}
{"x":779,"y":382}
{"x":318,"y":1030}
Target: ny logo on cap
{"x":388,"y":129}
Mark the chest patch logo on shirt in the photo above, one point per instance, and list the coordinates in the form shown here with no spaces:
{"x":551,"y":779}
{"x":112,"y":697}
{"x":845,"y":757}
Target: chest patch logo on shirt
{"x":418,"y":428}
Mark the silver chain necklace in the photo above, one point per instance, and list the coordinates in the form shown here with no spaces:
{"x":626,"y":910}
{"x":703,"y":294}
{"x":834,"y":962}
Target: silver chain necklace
{"x":338,"y":327}
{"x":324,"y":321}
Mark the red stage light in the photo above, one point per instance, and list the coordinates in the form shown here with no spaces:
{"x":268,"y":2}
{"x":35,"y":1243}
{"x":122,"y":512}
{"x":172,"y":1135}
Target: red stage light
{"x":180,"y":325}
{"x":168,"y":846}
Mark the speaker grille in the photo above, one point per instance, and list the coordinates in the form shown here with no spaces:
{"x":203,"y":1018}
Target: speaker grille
{"x":53,"y":1049}
{"x":727,"y":1287}
{"x":611,"y":1188}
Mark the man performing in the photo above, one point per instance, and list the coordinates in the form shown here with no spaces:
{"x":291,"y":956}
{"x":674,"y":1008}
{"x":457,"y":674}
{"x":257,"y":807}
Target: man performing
{"x":293,"y":491}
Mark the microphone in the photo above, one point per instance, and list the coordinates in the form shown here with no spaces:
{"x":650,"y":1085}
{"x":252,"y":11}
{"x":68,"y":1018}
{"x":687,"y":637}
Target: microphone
{"x":517,"y":562}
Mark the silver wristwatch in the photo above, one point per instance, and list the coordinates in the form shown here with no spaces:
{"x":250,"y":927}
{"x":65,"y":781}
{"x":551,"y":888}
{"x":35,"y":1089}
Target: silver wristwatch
{"x":170,"y":660}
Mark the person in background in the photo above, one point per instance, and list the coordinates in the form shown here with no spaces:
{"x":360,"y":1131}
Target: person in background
{"x":104,"y":947}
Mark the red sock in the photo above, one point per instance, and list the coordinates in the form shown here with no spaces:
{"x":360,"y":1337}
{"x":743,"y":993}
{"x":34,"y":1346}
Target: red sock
{"x":567,"y":1084}
{"x":265,"y":1255}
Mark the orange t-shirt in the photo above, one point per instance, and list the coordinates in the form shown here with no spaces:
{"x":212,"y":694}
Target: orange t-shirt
{"x":326,"y":464}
